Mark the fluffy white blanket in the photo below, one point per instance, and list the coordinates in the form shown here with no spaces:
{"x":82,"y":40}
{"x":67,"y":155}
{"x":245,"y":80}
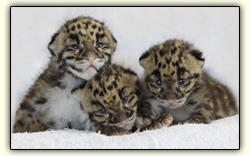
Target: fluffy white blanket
{"x":220,"y":134}
{"x":215,"y":31}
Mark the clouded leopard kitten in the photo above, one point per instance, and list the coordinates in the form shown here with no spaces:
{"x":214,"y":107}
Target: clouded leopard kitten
{"x":178,"y":85}
{"x":80,"y":49}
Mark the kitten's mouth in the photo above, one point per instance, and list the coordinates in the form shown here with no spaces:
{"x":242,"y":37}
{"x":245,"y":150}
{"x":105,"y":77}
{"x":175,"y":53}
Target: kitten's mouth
{"x":172,"y":104}
{"x":91,"y":66}
{"x":80,"y":70}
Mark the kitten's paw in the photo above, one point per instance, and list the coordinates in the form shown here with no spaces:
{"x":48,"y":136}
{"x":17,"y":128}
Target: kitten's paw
{"x":112,"y":131}
{"x":164,"y":120}
{"x":142,"y":121}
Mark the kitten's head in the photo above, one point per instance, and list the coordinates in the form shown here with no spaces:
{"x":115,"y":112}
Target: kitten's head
{"x":172,"y":71}
{"x":111,"y":98}
{"x":82,"y":46}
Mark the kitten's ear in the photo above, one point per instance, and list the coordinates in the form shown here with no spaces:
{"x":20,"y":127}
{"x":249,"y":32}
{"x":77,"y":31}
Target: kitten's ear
{"x":135,"y":78}
{"x":77,"y":94}
{"x":198,"y":56}
{"x":145,"y":59}
{"x":111,"y":38}
{"x":114,"y":42}
{"x":54,"y":46}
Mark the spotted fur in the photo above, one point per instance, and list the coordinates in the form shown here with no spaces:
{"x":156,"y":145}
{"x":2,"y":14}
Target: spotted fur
{"x":110,"y":100}
{"x":178,"y":85}
{"x":80,"y":49}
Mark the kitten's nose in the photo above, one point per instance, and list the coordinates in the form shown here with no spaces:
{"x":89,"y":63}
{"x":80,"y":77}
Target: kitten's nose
{"x":90,"y":57}
{"x":171,"y":101}
{"x":124,"y":122}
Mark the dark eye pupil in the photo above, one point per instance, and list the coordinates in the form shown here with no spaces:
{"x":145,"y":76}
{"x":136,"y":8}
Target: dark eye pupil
{"x":181,"y":82}
{"x":75,"y":46}
{"x":104,"y":111}
{"x":125,"y":99}
{"x":99,"y":45}
{"x":158,"y":83}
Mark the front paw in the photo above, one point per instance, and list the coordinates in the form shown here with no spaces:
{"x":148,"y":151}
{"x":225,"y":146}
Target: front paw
{"x":112,"y":131}
{"x":143,"y":121}
{"x":164,"y":120}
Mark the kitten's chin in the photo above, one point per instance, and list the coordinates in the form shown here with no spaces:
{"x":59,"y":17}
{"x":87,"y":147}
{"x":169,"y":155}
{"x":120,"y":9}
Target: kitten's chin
{"x":88,"y":74}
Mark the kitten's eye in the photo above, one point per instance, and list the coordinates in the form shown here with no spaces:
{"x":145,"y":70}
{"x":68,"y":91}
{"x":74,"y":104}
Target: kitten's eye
{"x":158,"y":83}
{"x":75,"y":46}
{"x":125,"y":99}
{"x":181,"y":82}
{"x":99,"y":45}
{"x":104,"y":111}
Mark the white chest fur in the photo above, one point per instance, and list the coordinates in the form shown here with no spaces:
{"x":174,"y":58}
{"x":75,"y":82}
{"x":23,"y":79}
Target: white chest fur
{"x":178,"y":114}
{"x":63,"y":110}
{"x":181,"y":113}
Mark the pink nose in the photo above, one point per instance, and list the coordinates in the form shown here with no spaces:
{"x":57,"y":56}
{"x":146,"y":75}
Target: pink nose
{"x":124,"y":122}
{"x":91,"y":57}
{"x":171,"y":101}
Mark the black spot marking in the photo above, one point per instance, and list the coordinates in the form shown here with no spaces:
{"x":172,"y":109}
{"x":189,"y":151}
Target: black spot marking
{"x":161,"y":52}
{"x":114,"y":97}
{"x":99,"y":115}
{"x":110,"y":87}
{"x":181,"y":71}
{"x":159,"y":65}
{"x":120,"y":91}
{"x":74,"y":37}
{"x":70,"y":58}
{"x":99,"y":36}
{"x":164,"y":66}
{"x":173,"y":72}
{"x":78,"y":26}
{"x":167,"y":60}
{"x":98,"y":77}
{"x":128,"y":71}
{"x":96,"y":92}
{"x":80,"y":33}
{"x":196,"y":75}
{"x":109,"y":55}
{"x":156,"y":58}
{"x":187,"y":84}
{"x":173,"y":50}
{"x":91,"y":33}
{"x":99,"y":28}
{"x":90,"y":86}
{"x":173,"y":63}
{"x":101,"y":93}
{"x":177,"y":64}
{"x":94,"y":26}
{"x":188,"y":91}
{"x":41,"y":100}
{"x":178,"y":89}
{"x":192,"y":102}
{"x":135,"y":104}
{"x":131,"y":99}
{"x":26,"y":106}
{"x":80,"y":87}
{"x":115,"y":84}
{"x":156,"y":73}
{"x":73,"y":28}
